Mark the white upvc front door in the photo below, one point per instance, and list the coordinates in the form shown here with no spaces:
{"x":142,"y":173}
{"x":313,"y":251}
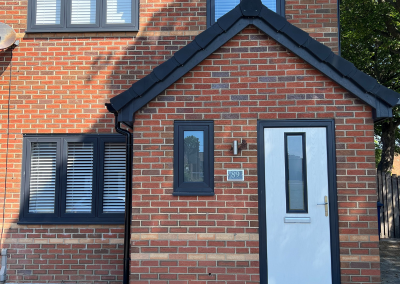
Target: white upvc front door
{"x":296,"y":190}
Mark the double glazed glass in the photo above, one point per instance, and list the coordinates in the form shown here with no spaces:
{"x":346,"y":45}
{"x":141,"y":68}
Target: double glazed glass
{"x":119,"y":11}
{"x":83,"y":12}
{"x":224,"y":6}
{"x":42,"y":177}
{"x":79,"y":177}
{"x":193,"y":155}
{"x":48,"y":12}
{"x":114,"y":178}
{"x":296,"y":176}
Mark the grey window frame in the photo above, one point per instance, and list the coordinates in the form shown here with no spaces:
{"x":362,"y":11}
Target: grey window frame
{"x":59,"y":216}
{"x":280,"y":10}
{"x":65,"y":20}
{"x":205,"y":188}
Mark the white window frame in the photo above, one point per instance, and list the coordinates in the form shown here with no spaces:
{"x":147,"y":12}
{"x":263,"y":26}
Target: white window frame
{"x":96,"y":216}
{"x":65,"y":20}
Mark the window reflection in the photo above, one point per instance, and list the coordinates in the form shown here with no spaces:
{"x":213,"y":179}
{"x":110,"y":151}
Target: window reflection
{"x":295,"y":172}
{"x":193,"y":154}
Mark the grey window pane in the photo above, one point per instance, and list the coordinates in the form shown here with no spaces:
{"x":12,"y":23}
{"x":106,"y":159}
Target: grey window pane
{"x":295,"y":172}
{"x":79,"y":177}
{"x":83,"y":12}
{"x":119,"y":11}
{"x":48,"y":12}
{"x":42,"y":177}
{"x":114,"y":178}
{"x":193,"y":154}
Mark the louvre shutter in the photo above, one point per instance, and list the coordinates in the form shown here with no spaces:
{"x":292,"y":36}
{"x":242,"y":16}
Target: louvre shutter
{"x":83,"y":12}
{"x":42,"y":177}
{"x":79,"y":177}
{"x":48,"y":12}
{"x":119,"y":11}
{"x":224,"y":6}
{"x":114,"y":178}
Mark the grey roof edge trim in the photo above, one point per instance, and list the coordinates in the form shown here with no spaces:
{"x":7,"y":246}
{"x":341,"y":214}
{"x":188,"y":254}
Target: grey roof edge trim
{"x":353,"y":88}
{"x":310,"y":51}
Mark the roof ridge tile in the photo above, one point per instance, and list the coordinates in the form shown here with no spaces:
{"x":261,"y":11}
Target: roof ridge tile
{"x":273,"y":19}
{"x":251,"y":8}
{"x":227,"y":20}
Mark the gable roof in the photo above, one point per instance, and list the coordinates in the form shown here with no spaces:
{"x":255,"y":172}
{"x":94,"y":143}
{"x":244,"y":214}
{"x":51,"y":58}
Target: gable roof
{"x":248,"y":12}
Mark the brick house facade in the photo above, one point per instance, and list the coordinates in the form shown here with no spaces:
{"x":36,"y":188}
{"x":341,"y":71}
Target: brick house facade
{"x":58,"y":84}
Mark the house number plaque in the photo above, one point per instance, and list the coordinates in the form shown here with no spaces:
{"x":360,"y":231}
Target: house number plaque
{"x":235,"y":175}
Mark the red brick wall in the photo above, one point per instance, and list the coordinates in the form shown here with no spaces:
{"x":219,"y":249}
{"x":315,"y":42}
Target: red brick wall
{"x":317,"y":17}
{"x":59,"y":84}
{"x":187,"y":238}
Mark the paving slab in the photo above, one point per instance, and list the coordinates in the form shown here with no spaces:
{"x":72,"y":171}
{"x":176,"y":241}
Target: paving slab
{"x":389,"y":250}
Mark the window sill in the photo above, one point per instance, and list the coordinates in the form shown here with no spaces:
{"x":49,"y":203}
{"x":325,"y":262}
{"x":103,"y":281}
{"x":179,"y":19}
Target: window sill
{"x":191,"y":193}
{"x":70,"y":222}
{"x":82,"y":30}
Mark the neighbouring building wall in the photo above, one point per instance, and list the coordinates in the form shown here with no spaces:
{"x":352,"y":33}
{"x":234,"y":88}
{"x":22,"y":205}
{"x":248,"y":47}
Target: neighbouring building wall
{"x":59,"y":84}
{"x":215,"y":238}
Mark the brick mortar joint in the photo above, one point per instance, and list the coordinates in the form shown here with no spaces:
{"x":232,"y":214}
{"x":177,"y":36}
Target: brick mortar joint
{"x":197,"y":237}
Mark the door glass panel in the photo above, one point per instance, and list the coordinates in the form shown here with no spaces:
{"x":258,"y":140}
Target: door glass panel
{"x":296,"y":182}
{"x":193,"y":155}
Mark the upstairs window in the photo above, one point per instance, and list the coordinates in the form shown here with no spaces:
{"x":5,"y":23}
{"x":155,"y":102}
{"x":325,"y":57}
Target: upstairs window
{"x":82,"y":15}
{"x":73,"y":179}
{"x":217,"y":8}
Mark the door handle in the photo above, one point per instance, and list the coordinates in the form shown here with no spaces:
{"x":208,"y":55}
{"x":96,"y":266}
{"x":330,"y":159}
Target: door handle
{"x":326,"y":205}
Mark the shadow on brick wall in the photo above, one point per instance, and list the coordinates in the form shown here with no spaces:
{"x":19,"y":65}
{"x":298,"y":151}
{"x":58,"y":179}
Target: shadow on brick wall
{"x":60,"y":83}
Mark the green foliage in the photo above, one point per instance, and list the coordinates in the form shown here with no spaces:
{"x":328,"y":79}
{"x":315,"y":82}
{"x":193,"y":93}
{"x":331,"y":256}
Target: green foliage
{"x":367,"y":42}
{"x":378,"y":152}
{"x":370,"y":39}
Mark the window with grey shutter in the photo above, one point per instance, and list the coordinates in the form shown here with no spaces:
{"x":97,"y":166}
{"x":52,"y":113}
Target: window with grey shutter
{"x":79,"y":177}
{"x":82,"y":15}
{"x":114,"y":178}
{"x":70,"y":179}
{"x":42,"y":185}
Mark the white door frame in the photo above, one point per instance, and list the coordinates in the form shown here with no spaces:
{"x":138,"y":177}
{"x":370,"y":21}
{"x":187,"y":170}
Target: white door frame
{"x":333,"y":211}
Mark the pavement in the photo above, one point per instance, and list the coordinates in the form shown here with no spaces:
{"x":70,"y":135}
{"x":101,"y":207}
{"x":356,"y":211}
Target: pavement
{"x":390,"y":260}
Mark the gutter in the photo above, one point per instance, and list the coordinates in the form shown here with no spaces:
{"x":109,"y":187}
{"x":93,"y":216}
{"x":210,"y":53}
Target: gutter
{"x":128,"y":193}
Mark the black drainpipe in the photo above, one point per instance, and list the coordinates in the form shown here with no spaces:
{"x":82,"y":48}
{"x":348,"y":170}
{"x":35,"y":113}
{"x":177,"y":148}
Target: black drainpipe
{"x":128,"y":192}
